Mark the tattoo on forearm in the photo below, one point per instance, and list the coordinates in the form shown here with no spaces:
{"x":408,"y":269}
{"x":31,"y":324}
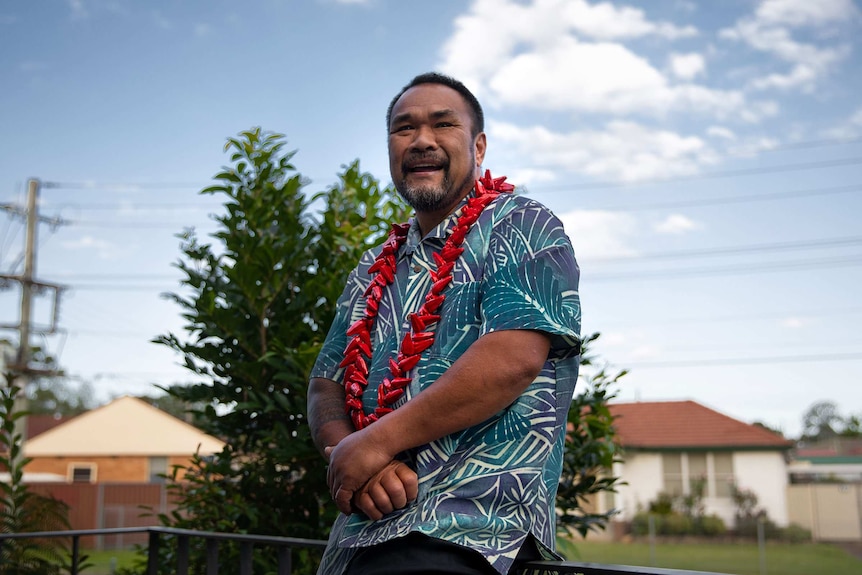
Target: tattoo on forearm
{"x":327,"y":410}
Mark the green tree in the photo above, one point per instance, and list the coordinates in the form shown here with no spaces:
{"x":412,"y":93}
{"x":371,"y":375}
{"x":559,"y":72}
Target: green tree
{"x":57,"y":396}
{"x":21,"y":510}
{"x":591,"y":450}
{"x":258,"y":301}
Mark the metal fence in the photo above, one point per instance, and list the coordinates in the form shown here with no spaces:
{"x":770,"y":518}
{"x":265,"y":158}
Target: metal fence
{"x":284,"y":547}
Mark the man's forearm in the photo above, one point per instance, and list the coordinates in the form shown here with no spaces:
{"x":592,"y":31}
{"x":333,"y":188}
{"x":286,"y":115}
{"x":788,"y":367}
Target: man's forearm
{"x":326,"y":416}
{"x":487,"y":378}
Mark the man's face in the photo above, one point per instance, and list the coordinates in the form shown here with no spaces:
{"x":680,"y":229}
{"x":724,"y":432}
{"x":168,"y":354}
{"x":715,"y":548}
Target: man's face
{"x":433,"y":158}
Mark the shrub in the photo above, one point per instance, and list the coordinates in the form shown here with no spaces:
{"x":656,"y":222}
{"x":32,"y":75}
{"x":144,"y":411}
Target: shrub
{"x":711,"y":526}
{"x":794,"y":533}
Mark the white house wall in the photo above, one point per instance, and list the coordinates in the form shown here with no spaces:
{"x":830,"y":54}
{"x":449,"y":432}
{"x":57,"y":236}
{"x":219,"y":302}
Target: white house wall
{"x":642,"y":473}
{"x":765,"y":473}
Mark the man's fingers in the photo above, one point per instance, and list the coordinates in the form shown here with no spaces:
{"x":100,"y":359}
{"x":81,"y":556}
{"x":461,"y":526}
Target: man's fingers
{"x":409,"y":480}
{"x":343,"y":498}
{"x":392,"y":487}
{"x":366,"y":505}
{"x":381,"y":499}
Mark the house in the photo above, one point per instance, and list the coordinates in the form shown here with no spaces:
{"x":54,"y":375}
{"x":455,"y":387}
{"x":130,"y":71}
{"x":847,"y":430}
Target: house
{"x":825,"y":495}
{"x":832,"y":460}
{"x":125,"y":441}
{"x":671,"y":444}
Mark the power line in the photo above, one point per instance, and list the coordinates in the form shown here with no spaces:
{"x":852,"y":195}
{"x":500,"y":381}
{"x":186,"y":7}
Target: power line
{"x":747,"y":198}
{"x":754,"y":248}
{"x":748,"y":317}
{"x":742,"y":361}
{"x":795,"y":167}
{"x":730,"y":270}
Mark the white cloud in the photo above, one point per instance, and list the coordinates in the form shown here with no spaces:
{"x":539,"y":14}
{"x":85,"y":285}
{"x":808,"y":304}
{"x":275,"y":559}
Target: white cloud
{"x":770,"y":30}
{"x":162,"y":21}
{"x":563,"y":55}
{"x":687,"y":66}
{"x":720,"y":132}
{"x":79,"y":12}
{"x":646,"y":351}
{"x":793,"y":323}
{"x":622,"y":151}
{"x":850,"y":128}
{"x":201,"y":30}
{"x":103,"y":249}
{"x":801,"y":75}
{"x":606,"y":21}
{"x":676,"y":224}
{"x":805,"y":12}
{"x":599,"y":234}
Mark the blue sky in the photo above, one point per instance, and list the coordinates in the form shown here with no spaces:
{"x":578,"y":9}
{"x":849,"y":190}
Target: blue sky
{"x":706,"y":158}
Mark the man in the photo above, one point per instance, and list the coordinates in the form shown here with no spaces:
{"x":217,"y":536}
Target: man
{"x":440,"y":395}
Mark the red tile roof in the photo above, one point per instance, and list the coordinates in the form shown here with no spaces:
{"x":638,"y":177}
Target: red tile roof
{"x":37,"y":424}
{"x":687,"y":424}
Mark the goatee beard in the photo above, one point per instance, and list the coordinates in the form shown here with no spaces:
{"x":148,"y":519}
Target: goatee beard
{"x":427,"y":198}
{"x":431,"y":198}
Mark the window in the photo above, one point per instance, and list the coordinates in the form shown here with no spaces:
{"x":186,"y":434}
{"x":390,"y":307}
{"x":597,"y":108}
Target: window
{"x":672,"y":466}
{"x":723,"y":465}
{"x":82,"y":472}
{"x":158,"y":468}
{"x":682,"y":470}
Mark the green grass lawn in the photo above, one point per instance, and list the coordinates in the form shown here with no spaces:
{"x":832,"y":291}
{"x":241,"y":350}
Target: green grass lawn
{"x":731,"y":558}
{"x":735,"y":558}
{"x":102,"y":561}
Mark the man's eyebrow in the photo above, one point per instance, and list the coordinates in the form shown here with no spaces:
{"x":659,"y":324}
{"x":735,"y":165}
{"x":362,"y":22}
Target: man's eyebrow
{"x":435,"y":115}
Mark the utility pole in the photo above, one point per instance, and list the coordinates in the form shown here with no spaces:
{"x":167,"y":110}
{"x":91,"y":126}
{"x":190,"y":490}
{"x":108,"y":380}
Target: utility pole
{"x":23,"y":359}
{"x":29,"y":286}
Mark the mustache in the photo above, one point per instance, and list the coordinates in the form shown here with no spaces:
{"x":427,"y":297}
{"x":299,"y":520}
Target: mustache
{"x":424,"y":159}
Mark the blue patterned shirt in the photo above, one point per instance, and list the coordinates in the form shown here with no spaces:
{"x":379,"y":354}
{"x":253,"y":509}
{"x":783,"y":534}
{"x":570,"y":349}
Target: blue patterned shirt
{"x":490,"y":486}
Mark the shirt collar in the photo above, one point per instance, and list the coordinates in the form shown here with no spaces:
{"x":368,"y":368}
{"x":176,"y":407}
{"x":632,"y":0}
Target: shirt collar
{"x":440,"y":231}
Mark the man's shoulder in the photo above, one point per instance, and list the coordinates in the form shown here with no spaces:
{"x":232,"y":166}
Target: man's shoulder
{"x":511,"y":201}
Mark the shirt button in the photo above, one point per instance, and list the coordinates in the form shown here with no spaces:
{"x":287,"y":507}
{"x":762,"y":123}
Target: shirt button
{"x":417,"y":268}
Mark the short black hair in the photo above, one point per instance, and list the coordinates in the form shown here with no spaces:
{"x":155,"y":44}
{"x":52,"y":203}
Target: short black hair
{"x":476,"y":113}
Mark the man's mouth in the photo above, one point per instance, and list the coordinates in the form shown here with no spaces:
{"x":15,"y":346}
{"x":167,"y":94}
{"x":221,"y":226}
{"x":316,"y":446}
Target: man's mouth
{"x":424,"y":166}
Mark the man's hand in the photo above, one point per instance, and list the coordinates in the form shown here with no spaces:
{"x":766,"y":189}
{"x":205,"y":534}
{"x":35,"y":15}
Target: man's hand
{"x":392,"y":488}
{"x":352,"y":463}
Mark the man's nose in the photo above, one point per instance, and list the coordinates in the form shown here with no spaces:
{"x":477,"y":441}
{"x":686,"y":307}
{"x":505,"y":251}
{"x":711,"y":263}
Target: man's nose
{"x":424,"y":139}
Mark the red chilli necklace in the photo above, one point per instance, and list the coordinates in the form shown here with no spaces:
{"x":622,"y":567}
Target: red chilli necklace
{"x":357,"y":354}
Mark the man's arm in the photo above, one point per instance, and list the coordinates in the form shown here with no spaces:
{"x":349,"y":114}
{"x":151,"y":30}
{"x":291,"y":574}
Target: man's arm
{"x":327,"y":419}
{"x":391,"y":488}
{"x":488,"y":377}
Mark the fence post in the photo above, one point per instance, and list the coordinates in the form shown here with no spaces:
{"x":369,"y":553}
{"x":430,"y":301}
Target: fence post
{"x":75,"y":553}
{"x":183,"y":555}
{"x":761,"y":545}
{"x":153,"y":554}
{"x":285,"y":560}
{"x":651,"y":540}
{"x":212,"y":557}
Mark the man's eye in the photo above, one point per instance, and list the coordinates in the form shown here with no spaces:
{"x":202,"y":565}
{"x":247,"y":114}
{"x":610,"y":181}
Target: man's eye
{"x":444,"y":124}
{"x":402,"y":128}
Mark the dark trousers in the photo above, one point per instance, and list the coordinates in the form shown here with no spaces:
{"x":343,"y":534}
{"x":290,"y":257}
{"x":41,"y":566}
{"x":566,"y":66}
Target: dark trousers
{"x":417,"y":554}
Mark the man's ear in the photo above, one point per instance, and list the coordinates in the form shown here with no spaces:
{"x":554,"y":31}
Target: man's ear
{"x":479,"y":146}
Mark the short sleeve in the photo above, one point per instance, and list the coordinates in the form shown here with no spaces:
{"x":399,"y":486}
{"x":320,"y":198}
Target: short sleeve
{"x":332,"y":351}
{"x":530,"y":279}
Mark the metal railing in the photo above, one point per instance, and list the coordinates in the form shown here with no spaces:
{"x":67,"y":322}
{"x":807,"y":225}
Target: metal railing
{"x":284,"y":547}
{"x":247,"y":543}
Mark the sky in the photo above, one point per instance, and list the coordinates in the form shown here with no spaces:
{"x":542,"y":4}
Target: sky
{"x":705,"y":158}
